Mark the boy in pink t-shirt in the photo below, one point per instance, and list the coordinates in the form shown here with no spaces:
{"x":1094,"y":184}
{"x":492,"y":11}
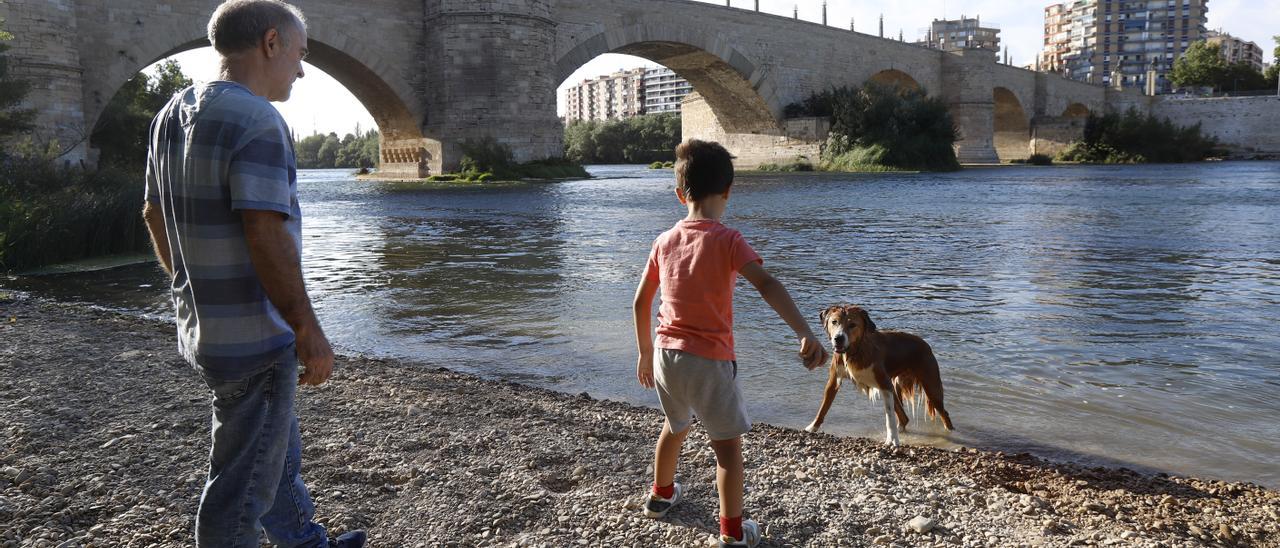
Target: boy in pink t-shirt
{"x":695,"y":373}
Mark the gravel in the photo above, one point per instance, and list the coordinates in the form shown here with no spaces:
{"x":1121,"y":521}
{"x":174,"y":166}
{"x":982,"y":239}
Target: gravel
{"x":104,"y":432}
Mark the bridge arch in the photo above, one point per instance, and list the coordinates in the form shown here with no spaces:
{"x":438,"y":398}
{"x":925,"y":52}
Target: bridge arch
{"x":895,"y":78}
{"x":1012,"y":126}
{"x":356,"y":69}
{"x":739,"y":91}
{"x":1076,"y":111}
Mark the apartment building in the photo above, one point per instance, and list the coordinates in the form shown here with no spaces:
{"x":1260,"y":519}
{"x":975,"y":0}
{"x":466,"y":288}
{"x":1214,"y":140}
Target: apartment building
{"x":1106,"y":40}
{"x":663,"y":90}
{"x":1235,"y":50}
{"x":625,"y":94}
{"x":610,"y":97}
{"x":962,"y":33}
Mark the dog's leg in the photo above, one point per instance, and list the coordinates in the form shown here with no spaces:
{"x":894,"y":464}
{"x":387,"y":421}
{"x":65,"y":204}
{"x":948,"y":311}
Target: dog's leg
{"x":897,"y":410}
{"x":933,"y":394}
{"x":828,"y":396}
{"x":890,"y":419}
{"x":889,"y":397}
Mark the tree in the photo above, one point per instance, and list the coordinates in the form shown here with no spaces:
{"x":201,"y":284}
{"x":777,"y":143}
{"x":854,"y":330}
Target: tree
{"x":121,"y":133}
{"x":1200,"y":66}
{"x":13,"y":120}
{"x":327,"y":158}
{"x":1241,"y":76}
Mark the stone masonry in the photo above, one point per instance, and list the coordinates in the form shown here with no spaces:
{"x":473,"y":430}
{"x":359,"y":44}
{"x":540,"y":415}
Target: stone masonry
{"x":440,"y":76}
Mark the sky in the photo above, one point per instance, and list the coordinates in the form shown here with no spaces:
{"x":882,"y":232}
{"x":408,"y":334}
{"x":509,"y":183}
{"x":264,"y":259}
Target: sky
{"x":321,"y":104}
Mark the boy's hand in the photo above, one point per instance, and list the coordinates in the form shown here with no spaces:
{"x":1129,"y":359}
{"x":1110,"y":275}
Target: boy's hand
{"x":812,"y":352}
{"x":644,"y":371}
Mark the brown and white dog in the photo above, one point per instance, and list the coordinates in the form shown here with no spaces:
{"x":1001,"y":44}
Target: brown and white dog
{"x":896,"y":366}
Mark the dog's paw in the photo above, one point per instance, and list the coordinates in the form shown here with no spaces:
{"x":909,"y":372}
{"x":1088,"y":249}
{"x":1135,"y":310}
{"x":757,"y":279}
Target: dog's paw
{"x":812,"y":428}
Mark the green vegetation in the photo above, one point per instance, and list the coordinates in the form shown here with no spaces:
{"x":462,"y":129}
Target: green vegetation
{"x":1040,"y":160}
{"x":52,"y":214}
{"x":121,"y":133}
{"x":662,"y":165}
{"x":639,"y":140}
{"x":13,"y":120}
{"x":1203,"y":66}
{"x":882,"y":128}
{"x":488,"y":160}
{"x":1137,"y":138}
{"x":800,"y":163}
{"x":355,"y":150}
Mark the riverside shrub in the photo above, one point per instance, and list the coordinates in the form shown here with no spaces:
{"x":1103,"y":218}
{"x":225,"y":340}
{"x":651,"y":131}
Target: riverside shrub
{"x":1137,"y":138}
{"x":878,"y":127}
{"x":51,"y":214}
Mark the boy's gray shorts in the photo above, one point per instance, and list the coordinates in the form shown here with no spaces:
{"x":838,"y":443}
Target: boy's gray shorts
{"x":691,"y":385}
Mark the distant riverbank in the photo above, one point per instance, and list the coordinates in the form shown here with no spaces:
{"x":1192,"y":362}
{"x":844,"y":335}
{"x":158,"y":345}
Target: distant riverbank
{"x":106,"y":429}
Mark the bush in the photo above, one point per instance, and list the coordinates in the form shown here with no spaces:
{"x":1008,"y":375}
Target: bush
{"x":639,"y":140}
{"x":669,"y":164}
{"x":1040,"y":160}
{"x":1138,"y":138}
{"x":800,"y":163}
{"x":50,"y":214}
{"x":859,"y":159}
{"x":878,"y":126}
{"x":657,"y":165}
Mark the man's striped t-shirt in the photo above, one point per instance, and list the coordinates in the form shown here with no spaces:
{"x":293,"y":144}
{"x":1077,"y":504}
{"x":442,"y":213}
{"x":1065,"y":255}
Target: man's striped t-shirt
{"x":216,"y":149}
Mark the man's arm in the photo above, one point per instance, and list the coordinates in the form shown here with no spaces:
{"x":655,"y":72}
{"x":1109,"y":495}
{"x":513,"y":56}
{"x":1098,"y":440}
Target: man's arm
{"x":276,"y":261}
{"x":159,"y":238}
{"x":642,"y":310}
{"x":774,"y":293}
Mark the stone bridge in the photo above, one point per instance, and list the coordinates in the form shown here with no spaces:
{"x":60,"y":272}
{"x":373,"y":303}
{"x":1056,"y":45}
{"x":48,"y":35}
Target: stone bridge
{"x":437,"y":73}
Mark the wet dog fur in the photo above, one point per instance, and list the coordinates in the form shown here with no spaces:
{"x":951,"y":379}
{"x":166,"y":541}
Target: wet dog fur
{"x":889,"y":365}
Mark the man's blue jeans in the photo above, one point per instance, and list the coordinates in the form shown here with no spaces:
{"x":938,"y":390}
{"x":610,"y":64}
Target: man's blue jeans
{"x":255,"y":464}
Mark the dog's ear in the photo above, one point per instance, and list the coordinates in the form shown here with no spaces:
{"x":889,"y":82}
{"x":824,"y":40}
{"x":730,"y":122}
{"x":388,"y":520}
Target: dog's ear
{"x":866,"y":321}
{"x":822,"y":317}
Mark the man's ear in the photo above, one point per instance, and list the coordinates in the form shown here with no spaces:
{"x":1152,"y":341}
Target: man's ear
{"x":272,"y":42}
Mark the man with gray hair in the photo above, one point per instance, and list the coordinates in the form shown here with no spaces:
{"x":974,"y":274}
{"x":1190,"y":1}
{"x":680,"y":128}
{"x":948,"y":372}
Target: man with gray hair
{"x":222,"y":209}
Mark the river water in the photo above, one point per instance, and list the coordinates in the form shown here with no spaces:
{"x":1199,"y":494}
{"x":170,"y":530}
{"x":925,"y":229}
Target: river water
{"x":1121,"y":316}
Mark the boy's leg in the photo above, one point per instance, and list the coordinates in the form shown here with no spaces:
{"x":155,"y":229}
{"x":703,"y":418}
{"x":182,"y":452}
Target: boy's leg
{"x":729,"y":478}
{"x":666,"y":455}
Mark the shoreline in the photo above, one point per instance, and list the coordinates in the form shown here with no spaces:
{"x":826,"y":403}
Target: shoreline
{"x":105,"y":435}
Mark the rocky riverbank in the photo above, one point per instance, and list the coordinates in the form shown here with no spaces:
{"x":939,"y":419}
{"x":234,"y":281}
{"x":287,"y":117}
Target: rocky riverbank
{"x":104,"y":435}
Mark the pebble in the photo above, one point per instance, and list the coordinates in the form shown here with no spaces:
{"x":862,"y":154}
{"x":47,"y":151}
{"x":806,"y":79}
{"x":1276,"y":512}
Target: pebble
{"x":499,"y":465}
{"x":921,"y":524}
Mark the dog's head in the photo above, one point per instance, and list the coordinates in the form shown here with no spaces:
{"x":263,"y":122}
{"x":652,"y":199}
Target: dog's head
{"x":845,"y":324}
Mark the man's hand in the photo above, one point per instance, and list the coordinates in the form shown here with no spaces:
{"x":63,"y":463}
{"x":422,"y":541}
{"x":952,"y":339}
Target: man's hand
{"x":316,"y":357}
{"x":644,"y":371}
{"x":812,"y":352}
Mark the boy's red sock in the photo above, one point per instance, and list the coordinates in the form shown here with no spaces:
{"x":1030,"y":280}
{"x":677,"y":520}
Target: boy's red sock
{"x":664,"y":492}
{"x":731,"y":527}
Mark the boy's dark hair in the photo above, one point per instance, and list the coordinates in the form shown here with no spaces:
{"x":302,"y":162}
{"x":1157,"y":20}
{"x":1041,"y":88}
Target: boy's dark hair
{"x":703,"y":168}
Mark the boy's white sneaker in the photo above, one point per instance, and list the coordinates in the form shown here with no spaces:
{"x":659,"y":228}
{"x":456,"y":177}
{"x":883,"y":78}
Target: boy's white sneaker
{"x":656,"y":507}
{"x":750,"y":536}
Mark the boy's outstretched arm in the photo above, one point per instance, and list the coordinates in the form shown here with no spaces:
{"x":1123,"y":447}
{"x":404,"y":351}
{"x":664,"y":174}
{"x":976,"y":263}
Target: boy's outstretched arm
{"x":811,"y":350}
{"x":642,"y":310}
